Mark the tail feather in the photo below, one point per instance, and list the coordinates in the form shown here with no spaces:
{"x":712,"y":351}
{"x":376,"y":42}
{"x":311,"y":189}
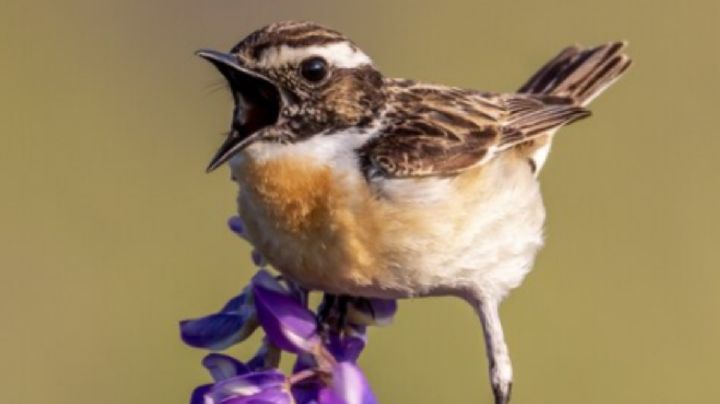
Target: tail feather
{"x":580,"y":74}
{"x":574,"y":76}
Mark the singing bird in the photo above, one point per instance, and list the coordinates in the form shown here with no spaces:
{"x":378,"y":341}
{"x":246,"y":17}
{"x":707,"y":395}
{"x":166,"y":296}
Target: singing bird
{"x":353,"y":183}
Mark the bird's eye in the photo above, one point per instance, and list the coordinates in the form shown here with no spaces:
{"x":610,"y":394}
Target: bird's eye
{"x":314,"y":69}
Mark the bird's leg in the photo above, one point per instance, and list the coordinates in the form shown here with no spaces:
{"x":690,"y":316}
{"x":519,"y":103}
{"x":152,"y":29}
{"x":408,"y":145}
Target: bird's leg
{"x":343,"y":307}
{"x":325,"y":310}
{"x":496,"y":348}
{"x":333,"y":312}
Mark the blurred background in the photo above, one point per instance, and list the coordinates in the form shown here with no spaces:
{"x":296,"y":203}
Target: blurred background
{"x":111,"y":232}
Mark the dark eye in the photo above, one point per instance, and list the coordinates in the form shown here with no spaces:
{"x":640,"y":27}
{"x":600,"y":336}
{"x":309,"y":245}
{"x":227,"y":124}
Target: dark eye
{"x":314,"y":69}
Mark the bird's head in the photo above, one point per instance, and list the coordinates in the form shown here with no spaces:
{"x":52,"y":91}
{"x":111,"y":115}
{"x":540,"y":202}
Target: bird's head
{"x":293,"y":80}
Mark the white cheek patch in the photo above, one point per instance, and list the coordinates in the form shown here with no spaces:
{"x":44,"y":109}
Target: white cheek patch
{"x":338,"y":54}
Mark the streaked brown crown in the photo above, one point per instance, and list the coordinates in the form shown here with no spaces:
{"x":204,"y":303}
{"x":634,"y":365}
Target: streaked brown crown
{"x":294,"y":34}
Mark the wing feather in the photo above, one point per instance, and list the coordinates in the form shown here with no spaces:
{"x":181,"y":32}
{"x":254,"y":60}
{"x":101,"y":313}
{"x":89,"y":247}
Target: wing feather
{"x":440,"y":131}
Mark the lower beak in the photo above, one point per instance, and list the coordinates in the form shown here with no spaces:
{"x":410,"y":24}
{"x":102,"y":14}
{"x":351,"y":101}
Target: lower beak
{"x":234,"y":142}
{"x":257,"y":104}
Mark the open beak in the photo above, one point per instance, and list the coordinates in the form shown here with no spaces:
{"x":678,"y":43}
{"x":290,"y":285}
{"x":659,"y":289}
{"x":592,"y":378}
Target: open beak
{"x":257,"y":104}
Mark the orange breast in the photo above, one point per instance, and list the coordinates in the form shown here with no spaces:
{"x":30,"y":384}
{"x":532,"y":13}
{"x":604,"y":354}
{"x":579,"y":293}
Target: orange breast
{"x":302,"y":217}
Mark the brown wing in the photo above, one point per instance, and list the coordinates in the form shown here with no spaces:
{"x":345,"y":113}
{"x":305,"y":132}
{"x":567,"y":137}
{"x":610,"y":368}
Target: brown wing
{"x":433,"y":130}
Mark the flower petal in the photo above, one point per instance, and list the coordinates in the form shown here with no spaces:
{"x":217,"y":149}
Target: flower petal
{"x":299,"y":293}
{"x":268,"y":356}
{"x":266,"y":280}
{"x":333,"y":343}
{"x":288,"y":324}
{"x":247,"y":385}
{"x":237,"y":226}
{"x":223,"y":367}
{"x":347,"y":347}
{"x":238,"y":303}
{"x":198,"y":395}
{"x":305,"y":391}
{"x":349,"y":386}
{"x":378,"y":312}
{"x":217,"y":331}
{"x":352,"y":347}
{"x":269,"y":396}
{"x":304,"y":361}
{"x":235,"y":322}
{"x":258,"y":258}
{"x":328,"y":396}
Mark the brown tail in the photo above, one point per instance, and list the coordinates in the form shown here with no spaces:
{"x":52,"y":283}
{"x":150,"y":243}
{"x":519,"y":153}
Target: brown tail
{"x":580,"y":74}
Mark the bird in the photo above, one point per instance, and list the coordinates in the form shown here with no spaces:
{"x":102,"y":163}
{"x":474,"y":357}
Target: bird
{"x":354,"y":183}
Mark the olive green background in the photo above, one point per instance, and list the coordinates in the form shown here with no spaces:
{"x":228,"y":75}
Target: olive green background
{"x":110,"y":232}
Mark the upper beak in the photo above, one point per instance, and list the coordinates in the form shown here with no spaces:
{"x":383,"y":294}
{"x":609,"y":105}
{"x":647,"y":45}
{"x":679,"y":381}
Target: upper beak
{"x":257,"y":104}
{"x":214,"y":56}
{"x":221,"y":59}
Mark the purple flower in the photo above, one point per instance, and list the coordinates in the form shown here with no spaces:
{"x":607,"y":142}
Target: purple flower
{"x":237,"y":226}
{"x":306,"y":391}
{"x":258,"y":259}
{"x":327,"y":345}
{"x":233,"y":323}
{"x":236,"y":383}
{"x":378,"y":312}
{"x":349,"y":386}
{"x":268,"y":356}
{"x":223,"y":367}
{"x":347,"y":346}
{"x":257,"y":387}
{"x":198,"y":395}
{"x":269,"y":396}
{"x":288,"y":324}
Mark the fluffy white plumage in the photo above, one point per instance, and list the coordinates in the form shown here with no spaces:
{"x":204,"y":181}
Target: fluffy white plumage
{"x":498,"y":205}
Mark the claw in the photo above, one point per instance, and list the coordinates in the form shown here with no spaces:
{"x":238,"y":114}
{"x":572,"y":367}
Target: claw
{"x":502,"y":392}
{"x":333,"y":311}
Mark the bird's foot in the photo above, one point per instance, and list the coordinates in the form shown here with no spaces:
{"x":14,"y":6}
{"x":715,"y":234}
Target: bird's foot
{"x":501,"y":380}
{"x":332,"y":314}
{"x":502,"y":391}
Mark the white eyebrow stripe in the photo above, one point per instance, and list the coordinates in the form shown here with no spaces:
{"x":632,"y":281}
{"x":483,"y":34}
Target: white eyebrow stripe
{"x":338,"y":54}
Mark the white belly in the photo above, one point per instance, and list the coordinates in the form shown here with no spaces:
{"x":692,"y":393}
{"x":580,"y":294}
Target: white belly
{"x":481,"y":232}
